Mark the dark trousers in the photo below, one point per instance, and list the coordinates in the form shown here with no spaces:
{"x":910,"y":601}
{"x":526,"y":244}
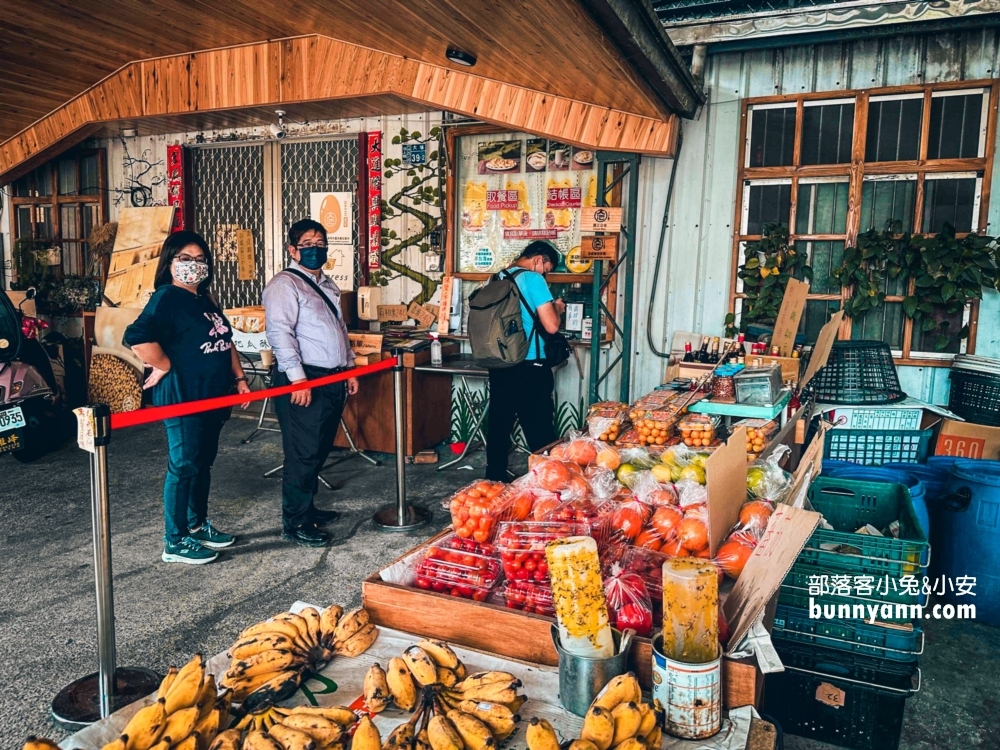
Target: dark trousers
{"x":523,"y":393}
{"x":307,"y":434}
{"x":192,"y":444}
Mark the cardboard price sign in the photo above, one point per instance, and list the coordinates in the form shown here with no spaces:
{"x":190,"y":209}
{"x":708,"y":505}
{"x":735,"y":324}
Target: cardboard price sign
{"x":599,"y":248}
{"x":600,"y":219}
{"x":789,"y":316}
{"x":425,"y":318}
{"x":392,"y":313}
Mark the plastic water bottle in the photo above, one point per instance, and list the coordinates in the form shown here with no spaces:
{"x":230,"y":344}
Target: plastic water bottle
{"x":436,"y":358}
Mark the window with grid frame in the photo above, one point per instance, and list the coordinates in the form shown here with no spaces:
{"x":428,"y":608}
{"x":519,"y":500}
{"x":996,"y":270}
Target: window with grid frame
{"x":830,"y":166}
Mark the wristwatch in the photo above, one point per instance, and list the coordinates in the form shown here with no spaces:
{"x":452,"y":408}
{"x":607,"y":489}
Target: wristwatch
{"x":242,"y":378}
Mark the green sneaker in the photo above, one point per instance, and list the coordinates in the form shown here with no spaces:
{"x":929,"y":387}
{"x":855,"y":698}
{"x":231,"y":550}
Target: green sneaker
{"x":187,"y":551}
{"x":209,"y":536}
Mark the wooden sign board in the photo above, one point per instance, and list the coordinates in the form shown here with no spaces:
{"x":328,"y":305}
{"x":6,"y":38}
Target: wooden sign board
{"x":600,"y":219}
{"x":444,"y":313}
{"x":789,"y":317}
{"x":392,"y":313}
{"x":434,"y":310}
{"x":599,"y":248}
{"x":246,"y":266}
{"x":365,"y":343}
{"x":141,"y":232}
{"x":423,"y":317}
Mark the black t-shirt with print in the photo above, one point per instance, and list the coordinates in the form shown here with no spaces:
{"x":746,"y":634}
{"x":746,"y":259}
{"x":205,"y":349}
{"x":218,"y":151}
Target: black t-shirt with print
{"x":195,"y":336}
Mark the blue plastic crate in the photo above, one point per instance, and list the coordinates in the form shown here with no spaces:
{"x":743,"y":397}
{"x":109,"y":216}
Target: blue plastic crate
{"x":857,"y":636}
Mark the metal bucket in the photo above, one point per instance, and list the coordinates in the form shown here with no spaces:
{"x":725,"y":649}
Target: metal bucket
{"x":582,"y":678}
{"x":688,"y":696}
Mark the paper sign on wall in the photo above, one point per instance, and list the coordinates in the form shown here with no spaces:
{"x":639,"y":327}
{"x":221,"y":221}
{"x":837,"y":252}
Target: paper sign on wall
{"x":335,"y":211}
{"x":246,"y":266}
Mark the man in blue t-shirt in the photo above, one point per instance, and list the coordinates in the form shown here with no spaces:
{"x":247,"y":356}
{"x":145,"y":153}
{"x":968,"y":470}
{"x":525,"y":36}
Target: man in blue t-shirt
{"x":524,"y":392}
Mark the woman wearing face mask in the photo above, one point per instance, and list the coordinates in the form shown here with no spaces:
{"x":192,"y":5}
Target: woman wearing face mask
{"x":187,"y":341}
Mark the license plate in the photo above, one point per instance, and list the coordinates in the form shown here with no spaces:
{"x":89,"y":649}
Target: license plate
{"x":11,"y":419}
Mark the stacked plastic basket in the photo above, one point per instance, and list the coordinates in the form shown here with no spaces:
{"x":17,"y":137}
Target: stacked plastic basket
{"x":846,"y":627}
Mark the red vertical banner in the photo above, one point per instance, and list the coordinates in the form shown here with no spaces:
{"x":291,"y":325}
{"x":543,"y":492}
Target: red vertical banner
{"x":177,"y":187}
{"x":373,"y":205}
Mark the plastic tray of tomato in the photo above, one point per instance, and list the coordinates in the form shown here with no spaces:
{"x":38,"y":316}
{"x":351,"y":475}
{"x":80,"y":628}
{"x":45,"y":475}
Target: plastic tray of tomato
{"x":533,"y":598}
{"x":477,"y":508}
{"x":522,"y":546}
{"x":454,"y":566}
{"x":587,"y":511}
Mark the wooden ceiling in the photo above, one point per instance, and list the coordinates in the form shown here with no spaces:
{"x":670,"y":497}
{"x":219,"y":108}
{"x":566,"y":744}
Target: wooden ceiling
{"x":55,"y":50}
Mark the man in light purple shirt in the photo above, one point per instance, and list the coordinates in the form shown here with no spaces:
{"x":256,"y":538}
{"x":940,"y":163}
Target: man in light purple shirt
{"x":306,"y":330}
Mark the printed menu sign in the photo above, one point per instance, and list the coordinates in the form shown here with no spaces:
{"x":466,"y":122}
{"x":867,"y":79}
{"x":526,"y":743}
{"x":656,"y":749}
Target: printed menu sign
{"x":530,"y":234}
{"x":502,"y":200}
{"x":536,"y":155}
{"x":563,"y":197}
{"x":497,"y":157}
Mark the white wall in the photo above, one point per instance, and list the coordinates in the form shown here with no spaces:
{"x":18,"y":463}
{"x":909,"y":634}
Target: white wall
{"x":693,"y":285}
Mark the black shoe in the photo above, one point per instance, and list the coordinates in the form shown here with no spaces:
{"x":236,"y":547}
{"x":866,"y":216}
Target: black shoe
{"x":306,"y":535}
{"x":323,"y":517}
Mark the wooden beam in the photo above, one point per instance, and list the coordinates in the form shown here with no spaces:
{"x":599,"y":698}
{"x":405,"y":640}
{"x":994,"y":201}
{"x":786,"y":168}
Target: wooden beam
{"x":316,"y":68}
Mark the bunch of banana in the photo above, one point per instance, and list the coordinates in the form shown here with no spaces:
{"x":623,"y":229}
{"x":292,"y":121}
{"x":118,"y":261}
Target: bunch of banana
{"x":428,"y":667}
{"x":298,"y":728}
{"x":616,"y":720}
{"x":270,"y":659}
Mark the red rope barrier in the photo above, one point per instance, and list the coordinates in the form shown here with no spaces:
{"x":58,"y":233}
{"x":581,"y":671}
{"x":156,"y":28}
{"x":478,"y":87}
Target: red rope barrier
{"x":158,"y":413}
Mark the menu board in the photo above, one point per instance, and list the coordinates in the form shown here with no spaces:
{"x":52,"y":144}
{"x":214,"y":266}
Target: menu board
{"x":513,"y":188}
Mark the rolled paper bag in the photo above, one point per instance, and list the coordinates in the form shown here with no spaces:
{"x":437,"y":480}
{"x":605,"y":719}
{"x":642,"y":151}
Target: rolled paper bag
{"x":690,"y":610}
{"x":578,"y":597}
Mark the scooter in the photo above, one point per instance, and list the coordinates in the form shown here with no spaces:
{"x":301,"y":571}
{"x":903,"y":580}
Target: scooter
{"x":34,"y":417}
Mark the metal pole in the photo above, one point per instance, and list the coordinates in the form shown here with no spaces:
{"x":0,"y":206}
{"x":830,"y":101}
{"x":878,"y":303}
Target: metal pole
{"x":98,"y":695}
{"x":401,"y":516}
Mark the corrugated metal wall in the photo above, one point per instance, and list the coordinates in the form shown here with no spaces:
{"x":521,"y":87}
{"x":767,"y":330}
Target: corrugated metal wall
{"x":693,"y":285}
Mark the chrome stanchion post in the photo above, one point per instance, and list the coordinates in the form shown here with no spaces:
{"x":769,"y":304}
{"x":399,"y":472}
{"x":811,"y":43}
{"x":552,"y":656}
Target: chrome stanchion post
{"x":401,"y":516}
{"x":98,"y":695}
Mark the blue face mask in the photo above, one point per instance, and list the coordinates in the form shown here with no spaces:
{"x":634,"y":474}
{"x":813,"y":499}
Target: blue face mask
{"x":312,"y":258}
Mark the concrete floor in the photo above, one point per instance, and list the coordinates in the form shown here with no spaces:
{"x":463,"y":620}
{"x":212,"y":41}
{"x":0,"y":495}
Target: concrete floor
{"x":166,"y":613}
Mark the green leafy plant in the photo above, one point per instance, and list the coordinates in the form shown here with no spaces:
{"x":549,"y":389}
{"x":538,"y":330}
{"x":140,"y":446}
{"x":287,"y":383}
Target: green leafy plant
{"x":946,"y":272}
{"x":768,"y":265}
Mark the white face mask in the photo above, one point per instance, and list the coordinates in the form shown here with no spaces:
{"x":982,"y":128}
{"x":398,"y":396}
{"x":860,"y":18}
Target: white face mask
{"x":190,"y":272}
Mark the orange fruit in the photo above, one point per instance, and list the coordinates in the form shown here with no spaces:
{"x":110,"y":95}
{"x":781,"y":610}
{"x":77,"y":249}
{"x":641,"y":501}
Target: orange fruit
{"x":703,"y":552}
{"x":551,"y":475}
{"x":582,"y":452}
{"x":692,"y":533}
{"x":755,"y":514}
{"x":665,"y":520}
{"x":662,"y":498}
{"x":628,"y":521}
{"x":649,"y":539}
{"x":521,"y":506}
{"x":577,"y":487}
{"x":673,"y":548}
{"x":543,"y":506}
{"x":732,"y":557}
{"x":608,"y":458}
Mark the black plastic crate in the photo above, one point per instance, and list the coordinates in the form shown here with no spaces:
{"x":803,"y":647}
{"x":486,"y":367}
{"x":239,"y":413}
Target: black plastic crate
{"x":845,"y":699}
{"x":975,"y":397}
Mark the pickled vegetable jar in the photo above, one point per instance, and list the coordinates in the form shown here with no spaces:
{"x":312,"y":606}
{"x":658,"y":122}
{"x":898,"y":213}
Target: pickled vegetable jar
{"x":578,"y":597}
{"x":690,"y":610}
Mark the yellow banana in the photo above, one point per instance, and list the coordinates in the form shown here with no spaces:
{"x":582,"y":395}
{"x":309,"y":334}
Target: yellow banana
{"x":358,"y":643}
{"x":186,"y":686}
{"x":117,"y":744}
{"x":442,"y":735}
{"x":337,"y":714}
{"x":350,"y":623}
{"x":516,"y":704}
{"x":261,"y":720}
{"x":401,"y":684}
{"x":266,"y":661}
{"x":399,"y":739}
{"x":496,"y":716}
{"x":648,"y":720}
{"x":208,"y":697}
{"x":582,"y":745}
{"x":654,"y":738}
{"x":422,"y":741}
{"x":180,"y":724}
{"x":632,"y":743}
{"x":281,"y":686}
{"x":446,"y":677}
{"x":270,"y":628}
{"x":328,"y":623}
{"x":143,"y":729}
{"x":191,"y":742}
{"x":323,"y":731}
{"x":366,"y":736}
{"x":474,"y":733}
{"x":40,"y":743}
{"x":599,"y":727}
{"x":231,"y":739}
{"x":208,"y":725}
{"x":167,"y":681}
{"x":243,"y":686}
{"x":258,"y":740}
{"x":290,"y":738}
{"x":247,"y":647}
{"x":312,"y":617}
{"x":541,"y":736}
{"x":460,"y":671}
{"x":440,"y":652}
{"x":486,"y":678}
{"x":496,"y":693}
{"x":377,"y":695}
{"x":164,"y":744}
{"x":301,"y":625}
{"x":628,"y":719}
{"x":621,"y":689}
{"x":421,"y":666}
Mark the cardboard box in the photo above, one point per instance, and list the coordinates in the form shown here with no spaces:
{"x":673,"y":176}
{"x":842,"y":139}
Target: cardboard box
{"x":726,"y":482}
{"x":968,"y":440}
